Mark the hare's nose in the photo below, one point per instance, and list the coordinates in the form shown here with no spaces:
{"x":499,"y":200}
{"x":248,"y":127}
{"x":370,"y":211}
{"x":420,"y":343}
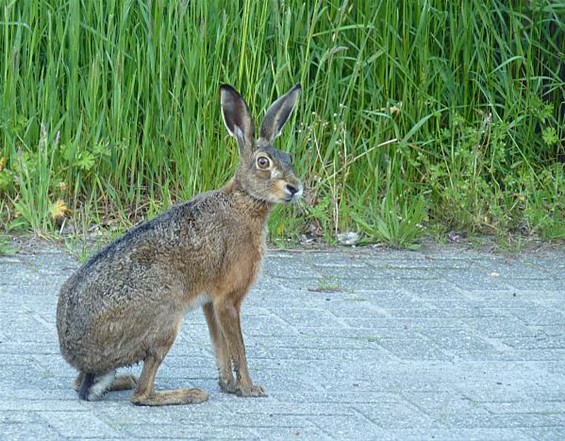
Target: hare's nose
{"x":291,"y":189}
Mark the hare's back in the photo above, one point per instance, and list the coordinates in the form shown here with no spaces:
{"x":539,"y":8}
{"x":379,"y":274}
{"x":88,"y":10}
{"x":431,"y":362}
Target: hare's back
{"x":172,"y":250}
{"x":144,"y":278}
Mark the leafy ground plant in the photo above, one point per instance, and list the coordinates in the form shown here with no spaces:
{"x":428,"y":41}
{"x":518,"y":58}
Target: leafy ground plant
{"x":6,"y":248}
{"x":396,"y":222}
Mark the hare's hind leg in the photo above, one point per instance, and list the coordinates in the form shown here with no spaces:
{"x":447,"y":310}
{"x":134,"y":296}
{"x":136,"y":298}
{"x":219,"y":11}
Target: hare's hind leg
{"x":145,"y":393}
{"x":124,"y":382}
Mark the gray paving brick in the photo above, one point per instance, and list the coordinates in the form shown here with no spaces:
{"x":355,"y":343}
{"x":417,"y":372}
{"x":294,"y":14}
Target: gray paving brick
{"x":540,"y":314}
{"x":512,"y":407}
{"x":393,"y":299}
{"x":474,"y":279}
{"x":441,"y":434}
{"x":73,"y":424}
{"x":539,"y":285}
{"x":25,"y":404}
{"x":301,"y":317}
{"x":462,"y":343}
{"x":432,"y":289}
{"x":185,"y":431}
{"x":17,"y":417}
{"x":414,"y":349}
{"x":28,"y":432}
{"x":546,"y":433}
{"x":504,"y":324}
{"x":287,"y":433}
{"x":396,"y":415}
{"x":516,"y":269}
{"x":350,"y":306}
{"x":348,"y":426}
{"x":515,"y":420}
{"x":439,"y":404}
{"x":441,"y":344}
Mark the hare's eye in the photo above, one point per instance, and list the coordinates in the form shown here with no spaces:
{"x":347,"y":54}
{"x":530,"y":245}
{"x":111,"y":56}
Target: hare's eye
{"x":263,"y":162}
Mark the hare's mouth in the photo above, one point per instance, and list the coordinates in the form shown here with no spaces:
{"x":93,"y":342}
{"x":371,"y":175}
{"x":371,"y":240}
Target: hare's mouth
{"x":292,"y":193}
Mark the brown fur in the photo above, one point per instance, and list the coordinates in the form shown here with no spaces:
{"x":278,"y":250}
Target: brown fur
{"x":126,"y":304}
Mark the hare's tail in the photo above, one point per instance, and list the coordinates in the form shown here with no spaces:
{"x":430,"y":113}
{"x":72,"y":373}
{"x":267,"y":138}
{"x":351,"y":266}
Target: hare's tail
{"x":93,"y":386}
{"x":86,"y":385}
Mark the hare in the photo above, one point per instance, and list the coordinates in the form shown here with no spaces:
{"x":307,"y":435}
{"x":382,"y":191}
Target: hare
{"x":126,"y":304}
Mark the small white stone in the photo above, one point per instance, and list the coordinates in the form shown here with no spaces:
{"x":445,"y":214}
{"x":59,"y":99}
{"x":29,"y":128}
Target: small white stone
{"x":348,"y":238}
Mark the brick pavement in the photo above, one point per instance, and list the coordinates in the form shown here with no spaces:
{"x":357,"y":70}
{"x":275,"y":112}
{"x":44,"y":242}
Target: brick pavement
{"x":364,"y":344}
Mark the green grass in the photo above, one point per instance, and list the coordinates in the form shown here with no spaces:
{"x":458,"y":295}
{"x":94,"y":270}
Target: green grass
{"x":6,"y":247}
{"x":416,"y":116}
{"x":328,"y":284}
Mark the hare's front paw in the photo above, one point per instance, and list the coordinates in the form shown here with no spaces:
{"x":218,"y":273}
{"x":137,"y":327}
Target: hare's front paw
{"x":228,"y":386}
{"x":251,"y":391}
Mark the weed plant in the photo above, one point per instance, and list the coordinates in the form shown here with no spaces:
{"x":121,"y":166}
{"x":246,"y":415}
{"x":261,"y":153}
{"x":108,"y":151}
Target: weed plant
{"x":414,"y":114}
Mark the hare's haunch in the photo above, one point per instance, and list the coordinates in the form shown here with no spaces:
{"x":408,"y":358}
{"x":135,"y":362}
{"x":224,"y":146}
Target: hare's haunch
{"x":126,"y":304}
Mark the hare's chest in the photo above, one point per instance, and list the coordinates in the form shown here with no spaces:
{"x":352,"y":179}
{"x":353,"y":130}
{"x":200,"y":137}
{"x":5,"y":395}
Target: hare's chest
{"x":247,"y":261}
{"x":242,"y":265}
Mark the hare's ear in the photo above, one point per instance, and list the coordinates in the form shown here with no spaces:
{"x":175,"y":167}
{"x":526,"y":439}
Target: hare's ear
{"x":278,"y":114}
{"x":237,"y":117}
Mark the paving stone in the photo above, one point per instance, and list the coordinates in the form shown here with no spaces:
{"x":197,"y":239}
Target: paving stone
{"x":288,"y":433}
{"x":441,"y":434}
{"x":540,"y":315}
{"x":28,"y":432}
{"x":17,"y":417}
{"x":554,"y":433}
{"x":474,"y":279}
{"x":441,"y":344}
{"x":414,"y":349}
{"x":396,"y":415}
{"x":347,"y":427}
{"x":462,"y":343}
{"x":432,"y":289}
{"x":512,"y":407}
{"x":539,"y":285}
{"x":439,"y":404}
{"x":73,"y":424}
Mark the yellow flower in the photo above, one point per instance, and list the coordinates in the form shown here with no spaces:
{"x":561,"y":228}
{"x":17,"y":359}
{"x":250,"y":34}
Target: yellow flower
{"x":58,"y":210}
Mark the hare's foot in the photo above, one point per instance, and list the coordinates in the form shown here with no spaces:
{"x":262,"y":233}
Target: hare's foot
{"x":179,"y":396}
{"x":251,"y":391}
{"x":124,"y":382}
{"x":227,"y":385}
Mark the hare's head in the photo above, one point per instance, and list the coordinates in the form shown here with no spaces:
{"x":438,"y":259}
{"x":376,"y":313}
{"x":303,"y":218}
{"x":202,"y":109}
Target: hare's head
{"x":264,"y":172}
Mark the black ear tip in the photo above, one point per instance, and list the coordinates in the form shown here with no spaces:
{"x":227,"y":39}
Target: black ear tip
{"x":227,"y":88}
{"x":297,"y":87}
